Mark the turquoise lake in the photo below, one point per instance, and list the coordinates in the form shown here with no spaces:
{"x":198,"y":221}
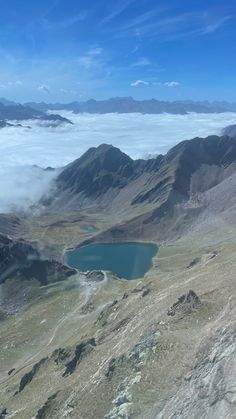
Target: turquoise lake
{"x":126,"y":260}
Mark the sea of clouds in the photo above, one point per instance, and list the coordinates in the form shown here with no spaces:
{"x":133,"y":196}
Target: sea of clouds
{"x":138,"y":135}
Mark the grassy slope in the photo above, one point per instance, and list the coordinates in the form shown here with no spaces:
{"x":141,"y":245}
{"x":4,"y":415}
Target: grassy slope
{"x":88,"y":393}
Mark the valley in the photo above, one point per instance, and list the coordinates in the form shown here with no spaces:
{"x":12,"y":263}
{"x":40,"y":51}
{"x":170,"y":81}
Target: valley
{"x":90,"y":344}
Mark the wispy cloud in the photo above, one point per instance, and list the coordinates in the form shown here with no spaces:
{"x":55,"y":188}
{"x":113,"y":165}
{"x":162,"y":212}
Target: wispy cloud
{"x":141,"y":19}
{"x":142,"y":62}
{"x":69,"y":91}
{"x":170,"y":84}
{"x":139,"y":83}
{"x":91,"y":58}
{"x":65,"y":23}
{"x":167,"y":28}
{"x":135,"y":49}
{"x":214,"y":26}
{"x":95,"y":51}
{"x":117,"y":10}
{"x":44,"y":88}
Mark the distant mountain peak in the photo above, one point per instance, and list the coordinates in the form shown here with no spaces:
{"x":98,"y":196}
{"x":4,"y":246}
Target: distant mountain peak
{"x":148,"y":106}
{"x":10,"y":111}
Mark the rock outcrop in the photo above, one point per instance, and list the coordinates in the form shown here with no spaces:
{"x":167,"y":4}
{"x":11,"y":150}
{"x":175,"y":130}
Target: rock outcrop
{"x":185,"y":304}
{"x":43,"y":412}
{"x":81,"y":350}
{"x":28,"y":377}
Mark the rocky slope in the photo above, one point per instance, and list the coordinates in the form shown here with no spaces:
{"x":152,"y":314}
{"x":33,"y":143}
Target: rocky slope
{"x":89,"y":345}
{"x":21,"y":261}
{"x":163,"y":347}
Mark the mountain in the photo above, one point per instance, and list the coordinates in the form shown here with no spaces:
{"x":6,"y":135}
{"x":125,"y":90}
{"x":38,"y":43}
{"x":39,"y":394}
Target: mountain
{"x":105,"y":179}
{"x":17,"y":112}
{"x":91,"y":345}
{"x":4,"y":124}
{"x":7,"y":102}
{"x":128,"y":105}
{"x":230,"y":131}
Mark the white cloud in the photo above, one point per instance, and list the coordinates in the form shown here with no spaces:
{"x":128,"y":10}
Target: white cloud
{"x":167,"y":83}
{"x":91,"y":58}
{"x":22,"y":186}
{"x":20,"y":148}
{"x":44,"y":88}
{"x":139,"y":83}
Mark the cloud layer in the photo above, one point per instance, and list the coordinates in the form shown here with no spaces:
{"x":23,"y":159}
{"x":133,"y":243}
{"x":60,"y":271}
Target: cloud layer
{"x":136,"y":134}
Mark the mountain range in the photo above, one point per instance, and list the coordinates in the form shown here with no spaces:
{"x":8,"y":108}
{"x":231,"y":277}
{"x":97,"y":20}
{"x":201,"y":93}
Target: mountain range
{"x":124,"y":105}
{"x":129,"y":105}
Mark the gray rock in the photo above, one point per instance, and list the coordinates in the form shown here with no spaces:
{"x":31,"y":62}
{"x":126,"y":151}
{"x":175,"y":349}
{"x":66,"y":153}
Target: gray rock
{"x":28,"y":377}
{"x":186,"y":304}
{"x":209,"y":389}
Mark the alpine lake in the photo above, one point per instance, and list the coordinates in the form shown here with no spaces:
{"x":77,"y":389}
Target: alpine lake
{"x":126,"y":260}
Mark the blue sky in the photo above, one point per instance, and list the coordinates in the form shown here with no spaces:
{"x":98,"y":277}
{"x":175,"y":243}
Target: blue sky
{"x":65,"y":50}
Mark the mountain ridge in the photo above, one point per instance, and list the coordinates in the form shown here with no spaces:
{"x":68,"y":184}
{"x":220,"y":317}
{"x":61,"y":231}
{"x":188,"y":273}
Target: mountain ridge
{"x":141,"y":194}
{"x":11,"y":111}
{"x":130,"y":105}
